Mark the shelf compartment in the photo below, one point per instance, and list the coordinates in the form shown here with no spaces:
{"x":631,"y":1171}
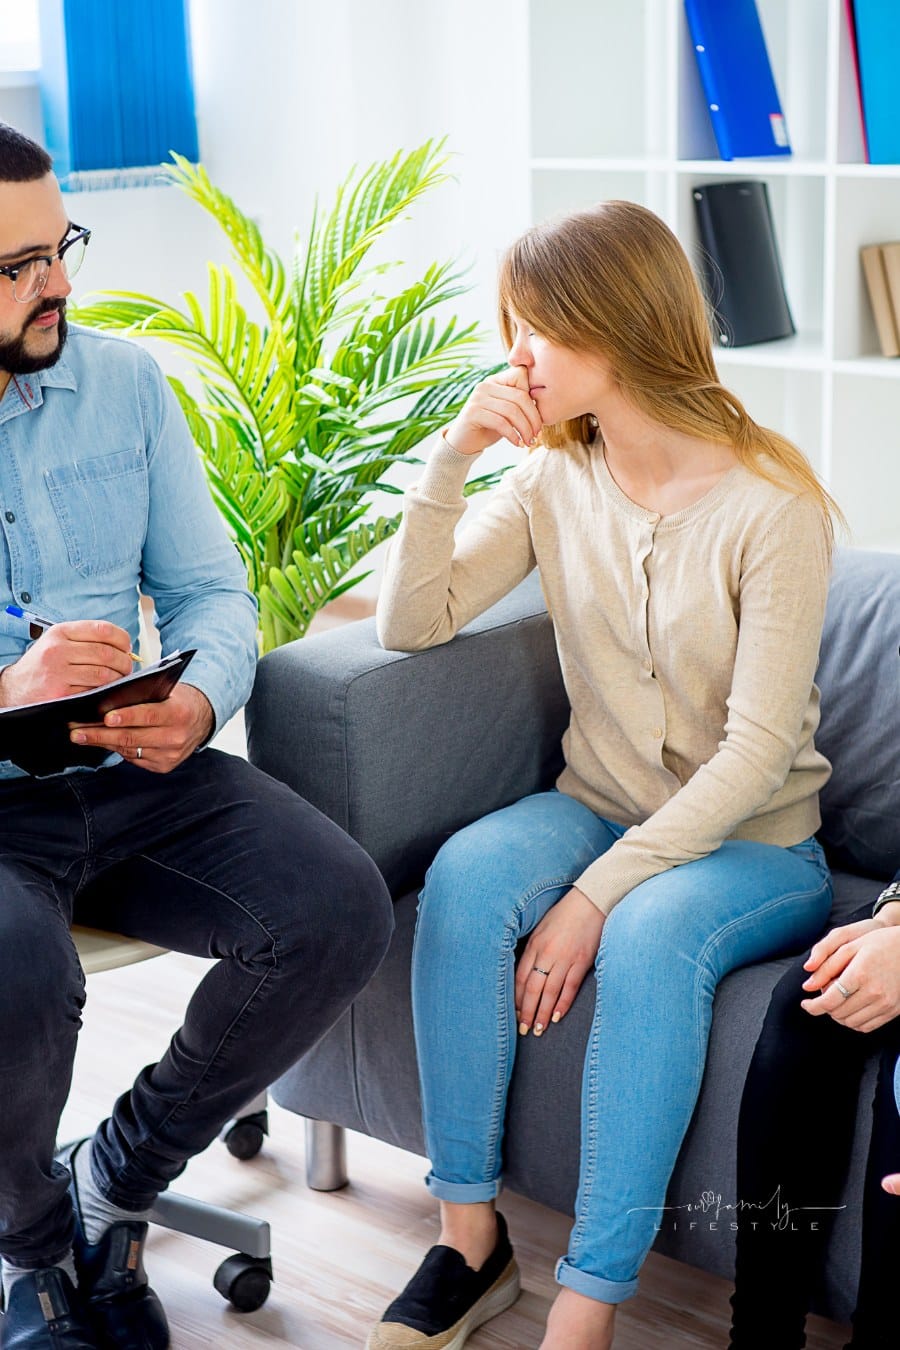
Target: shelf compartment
{"x":867,"y":211}
{"x":554,"y":191}
{"x":866,"y":452}
{"x":798,"y":213}
{"x":797,"y":41}
{"x":588,"y":78}
{"x":754,"y":168}
{"x":787,"y":401}
{"x":874,"y":367}
{"x":803,"y":351}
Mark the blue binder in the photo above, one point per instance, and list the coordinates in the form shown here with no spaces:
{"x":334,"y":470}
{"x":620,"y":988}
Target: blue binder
{"x":878,"y":50}
{"x":737,"y":78}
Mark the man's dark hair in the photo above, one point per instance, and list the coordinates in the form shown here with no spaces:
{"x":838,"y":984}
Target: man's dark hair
{"x":21,"y":159}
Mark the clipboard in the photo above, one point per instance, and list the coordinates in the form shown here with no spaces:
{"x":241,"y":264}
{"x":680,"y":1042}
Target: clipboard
{"x":35,"y":736}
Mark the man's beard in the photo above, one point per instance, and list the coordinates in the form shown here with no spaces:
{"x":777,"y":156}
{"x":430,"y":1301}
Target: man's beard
{"x":15,"y":358}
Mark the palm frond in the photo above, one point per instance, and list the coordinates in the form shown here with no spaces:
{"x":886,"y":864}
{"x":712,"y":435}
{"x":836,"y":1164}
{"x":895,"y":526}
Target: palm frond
{"x":434,"y":409}
{"x":262,"y":267}
{"x":365,"y":206}
{"x":368,"y":352}
{"x":296,"y":593}
{"x":251,"y":504}
{"x":300,"y":411}
{"x":233,"y":355}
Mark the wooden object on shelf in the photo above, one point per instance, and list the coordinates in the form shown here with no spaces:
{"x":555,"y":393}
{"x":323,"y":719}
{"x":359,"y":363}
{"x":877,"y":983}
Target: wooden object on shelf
{"x":890,"y":257}
{"x":883,"y":308}
{"x":883,"y":312}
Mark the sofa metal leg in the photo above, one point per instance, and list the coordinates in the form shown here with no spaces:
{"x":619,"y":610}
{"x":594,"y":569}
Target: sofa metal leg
{"x":326,"y":1156}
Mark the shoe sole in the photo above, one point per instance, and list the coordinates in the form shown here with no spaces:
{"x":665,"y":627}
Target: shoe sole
{"x":501,"y":1295}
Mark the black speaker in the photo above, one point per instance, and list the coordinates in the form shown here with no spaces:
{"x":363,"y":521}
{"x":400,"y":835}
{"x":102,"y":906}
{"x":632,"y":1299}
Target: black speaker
{"x":741,"y":267}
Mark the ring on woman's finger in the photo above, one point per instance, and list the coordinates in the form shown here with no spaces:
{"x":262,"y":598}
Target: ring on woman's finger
{"x":540,"y":971}
{"x":847,"y":993}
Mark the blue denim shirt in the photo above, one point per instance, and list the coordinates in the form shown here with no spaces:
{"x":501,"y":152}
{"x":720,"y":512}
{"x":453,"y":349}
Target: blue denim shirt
{"x":102,"y":494}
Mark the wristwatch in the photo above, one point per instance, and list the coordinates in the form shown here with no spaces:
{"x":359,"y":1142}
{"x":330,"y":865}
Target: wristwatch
{"x":890,"y":893}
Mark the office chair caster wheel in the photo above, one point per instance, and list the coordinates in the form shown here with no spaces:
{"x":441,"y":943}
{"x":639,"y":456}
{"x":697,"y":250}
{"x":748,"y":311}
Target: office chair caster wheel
{"x":245,"y":1138}
{"x":244,"y":1281}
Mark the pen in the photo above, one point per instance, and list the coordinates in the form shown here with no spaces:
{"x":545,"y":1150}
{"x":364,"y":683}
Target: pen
{"x":18,"y":613}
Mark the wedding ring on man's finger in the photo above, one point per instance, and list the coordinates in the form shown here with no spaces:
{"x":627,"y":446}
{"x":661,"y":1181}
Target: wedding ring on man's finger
{"x":139,"y":753}
{"x":847,"y":993}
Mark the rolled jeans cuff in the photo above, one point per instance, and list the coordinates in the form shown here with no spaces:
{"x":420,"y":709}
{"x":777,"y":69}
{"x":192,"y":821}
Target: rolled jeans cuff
{"x":463,"y":1192}
{"x":593,"y":1286}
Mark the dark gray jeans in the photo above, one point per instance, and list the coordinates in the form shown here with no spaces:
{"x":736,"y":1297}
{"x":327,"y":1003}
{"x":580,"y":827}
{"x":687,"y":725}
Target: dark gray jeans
{"x":217,"y":860}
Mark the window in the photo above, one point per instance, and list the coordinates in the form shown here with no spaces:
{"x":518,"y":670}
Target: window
{"x":20,"y":38}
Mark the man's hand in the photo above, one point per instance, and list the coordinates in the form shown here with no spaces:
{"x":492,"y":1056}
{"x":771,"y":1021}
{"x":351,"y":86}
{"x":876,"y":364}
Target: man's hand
{"x":500,"y":406}
{"x":865,"y":958}
{"x":68,"y":658}
{"x":565,"y":944}
{"x":166,"y":733}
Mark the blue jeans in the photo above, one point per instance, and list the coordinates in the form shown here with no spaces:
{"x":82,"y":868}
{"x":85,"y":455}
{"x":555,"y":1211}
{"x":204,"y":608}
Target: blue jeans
{"x":215,"y":859}
{"x":664,"y":949}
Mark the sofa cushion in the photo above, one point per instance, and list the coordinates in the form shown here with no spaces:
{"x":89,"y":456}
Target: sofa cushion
{"x":859,"y":677}
{"x":363,"y":1075}
{"x":401,"y":750}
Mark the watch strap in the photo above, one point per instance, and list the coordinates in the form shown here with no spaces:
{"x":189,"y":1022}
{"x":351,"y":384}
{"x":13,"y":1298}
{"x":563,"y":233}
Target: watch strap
{"x":889,"y":893}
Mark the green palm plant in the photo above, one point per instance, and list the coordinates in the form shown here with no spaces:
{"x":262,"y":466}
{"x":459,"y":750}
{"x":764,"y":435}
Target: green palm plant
{"x":301,"y":412}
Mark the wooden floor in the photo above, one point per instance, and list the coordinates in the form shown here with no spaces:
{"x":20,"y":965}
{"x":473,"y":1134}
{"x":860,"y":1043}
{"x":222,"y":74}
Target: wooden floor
{"x":339,"y":1258}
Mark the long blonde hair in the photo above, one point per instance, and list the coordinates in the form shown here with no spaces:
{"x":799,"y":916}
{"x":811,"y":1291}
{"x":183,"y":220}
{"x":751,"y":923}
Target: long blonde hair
{"x":614,"y":280}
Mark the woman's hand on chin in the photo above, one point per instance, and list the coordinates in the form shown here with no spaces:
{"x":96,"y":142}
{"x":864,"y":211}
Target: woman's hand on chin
{"x":498,"y":408}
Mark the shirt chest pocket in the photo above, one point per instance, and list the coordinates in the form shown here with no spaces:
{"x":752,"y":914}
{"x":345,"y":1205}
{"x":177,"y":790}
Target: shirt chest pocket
{"x":101,"y":506}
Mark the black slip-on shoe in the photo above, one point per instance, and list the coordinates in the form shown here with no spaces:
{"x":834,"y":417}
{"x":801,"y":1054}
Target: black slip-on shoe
{"x":446,"y":1299}
{"x":44,"y":1312}
{"x":112,"y":1282}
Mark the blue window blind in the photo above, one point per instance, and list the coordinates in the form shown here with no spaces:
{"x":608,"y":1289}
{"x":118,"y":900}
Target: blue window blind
{"x":116,"y":86}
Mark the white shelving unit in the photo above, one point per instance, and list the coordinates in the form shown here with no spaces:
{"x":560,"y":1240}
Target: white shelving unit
{"x":617,"y":110}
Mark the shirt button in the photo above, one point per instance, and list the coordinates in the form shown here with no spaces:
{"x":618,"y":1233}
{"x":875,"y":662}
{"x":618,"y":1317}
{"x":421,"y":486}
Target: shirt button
{"x":654,"y":519}
{"x":648,"y":665}
{"x":657,"y":733}
{"x":645,"y":592}
{"x":10,"y":516}
{"x":26,"y":596}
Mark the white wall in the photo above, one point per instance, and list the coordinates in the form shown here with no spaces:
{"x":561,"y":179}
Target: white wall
{"x":290,"y":95}
{"x":288,"y":103}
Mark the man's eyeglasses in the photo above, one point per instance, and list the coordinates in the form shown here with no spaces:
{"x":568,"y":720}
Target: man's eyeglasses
{"x":30,"y":277}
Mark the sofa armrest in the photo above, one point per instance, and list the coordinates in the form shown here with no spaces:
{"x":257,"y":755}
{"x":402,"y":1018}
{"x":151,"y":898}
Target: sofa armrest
{"x":401,"y":750}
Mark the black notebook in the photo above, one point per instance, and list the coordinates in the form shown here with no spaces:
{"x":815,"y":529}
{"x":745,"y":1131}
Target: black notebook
{"x":35,"y":736}
{"x":740,"y":262}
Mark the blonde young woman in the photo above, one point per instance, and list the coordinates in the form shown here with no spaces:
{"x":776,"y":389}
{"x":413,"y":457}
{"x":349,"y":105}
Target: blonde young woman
{"x":684,"y":552}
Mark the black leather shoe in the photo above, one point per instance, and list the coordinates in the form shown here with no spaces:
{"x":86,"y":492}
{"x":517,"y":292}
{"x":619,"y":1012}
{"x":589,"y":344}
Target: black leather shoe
{"x":112,"y":1282}
{"x":44,"y":1312}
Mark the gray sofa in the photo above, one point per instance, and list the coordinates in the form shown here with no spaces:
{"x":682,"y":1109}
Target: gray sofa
{"x":403,"y":750}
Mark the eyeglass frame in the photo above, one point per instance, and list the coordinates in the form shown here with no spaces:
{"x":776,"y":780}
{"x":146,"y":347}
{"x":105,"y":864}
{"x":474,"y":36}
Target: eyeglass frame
{"x":12,"y":270}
